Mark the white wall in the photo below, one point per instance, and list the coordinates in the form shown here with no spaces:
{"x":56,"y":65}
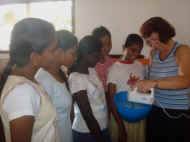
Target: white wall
{"x":122,"y":17}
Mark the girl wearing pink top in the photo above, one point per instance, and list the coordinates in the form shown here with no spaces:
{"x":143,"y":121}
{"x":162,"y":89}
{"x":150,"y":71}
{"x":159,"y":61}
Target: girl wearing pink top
{"x":104,"y":35}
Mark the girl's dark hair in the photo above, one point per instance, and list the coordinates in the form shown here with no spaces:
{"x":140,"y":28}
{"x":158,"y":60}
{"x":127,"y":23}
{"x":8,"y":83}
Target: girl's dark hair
{"x":66,"y":40}
{"x":28,"y":35}
{"x":158,"y":25}
{"x":100,"y":32}
{"x":133,"y":39}
{"x":87,"y":45}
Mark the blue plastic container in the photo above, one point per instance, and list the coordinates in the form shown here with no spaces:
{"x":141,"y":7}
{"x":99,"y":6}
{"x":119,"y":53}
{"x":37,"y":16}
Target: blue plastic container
{"x":129,"y":111}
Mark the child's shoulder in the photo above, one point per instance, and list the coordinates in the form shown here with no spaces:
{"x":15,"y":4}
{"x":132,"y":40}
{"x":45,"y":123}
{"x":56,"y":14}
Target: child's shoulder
{"x":75,"y":76}
{"x":117,"y":66}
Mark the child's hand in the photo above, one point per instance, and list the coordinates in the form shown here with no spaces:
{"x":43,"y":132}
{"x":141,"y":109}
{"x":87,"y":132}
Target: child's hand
{"x":132,"y":80}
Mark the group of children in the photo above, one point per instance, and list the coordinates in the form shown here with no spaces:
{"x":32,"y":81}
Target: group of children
{"x":42,"y":103}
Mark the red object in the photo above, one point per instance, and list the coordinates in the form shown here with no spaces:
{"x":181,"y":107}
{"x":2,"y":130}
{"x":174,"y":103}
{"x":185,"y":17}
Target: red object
{"x":126,"y":62}
{"x":144,"y":61}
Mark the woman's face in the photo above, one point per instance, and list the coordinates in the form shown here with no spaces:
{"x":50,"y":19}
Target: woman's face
{"x":67,"y":57}
{"x":154,"y":41}
{"x":106,"y":45}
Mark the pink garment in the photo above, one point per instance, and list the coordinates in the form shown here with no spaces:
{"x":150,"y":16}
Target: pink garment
{"x":102,"y":70}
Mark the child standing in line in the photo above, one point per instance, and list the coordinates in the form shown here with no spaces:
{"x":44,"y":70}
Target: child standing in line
{"x":54,"y":81}
{"x":91,"y":115}
{"x":104,"y":35}
{"x":26,"y":111}
{"x":121,"y":76}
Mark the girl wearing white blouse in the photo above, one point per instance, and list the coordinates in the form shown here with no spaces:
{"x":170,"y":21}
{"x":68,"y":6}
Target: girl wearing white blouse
{"x":26,"y":111}
{"x":54,"y":81}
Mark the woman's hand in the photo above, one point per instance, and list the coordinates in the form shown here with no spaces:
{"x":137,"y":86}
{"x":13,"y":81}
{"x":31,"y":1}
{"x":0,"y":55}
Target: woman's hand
{"x":146,"y":85}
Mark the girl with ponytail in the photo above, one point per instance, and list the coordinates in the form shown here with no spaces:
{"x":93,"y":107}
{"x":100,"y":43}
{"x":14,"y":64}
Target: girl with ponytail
{"x":26,"y":111}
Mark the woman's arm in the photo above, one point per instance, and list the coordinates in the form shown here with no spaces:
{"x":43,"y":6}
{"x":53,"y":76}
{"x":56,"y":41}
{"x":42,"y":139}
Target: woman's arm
{"x":182,"y":80}
{"x":81,"y":99}
{"x":121,"y":126}
{"x":21,"y":129}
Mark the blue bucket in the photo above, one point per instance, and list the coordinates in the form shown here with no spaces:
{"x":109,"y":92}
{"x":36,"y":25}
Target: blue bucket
{"x":130,"y":111}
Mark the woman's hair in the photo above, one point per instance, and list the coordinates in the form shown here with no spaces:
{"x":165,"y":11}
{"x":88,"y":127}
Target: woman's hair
{"x":100,"y":32}
{"x":158,"y":25}
{"x":28,"y":35}
{"x":66,"y":40}
{"x":133,"y":39}
{"x":87,"y":45}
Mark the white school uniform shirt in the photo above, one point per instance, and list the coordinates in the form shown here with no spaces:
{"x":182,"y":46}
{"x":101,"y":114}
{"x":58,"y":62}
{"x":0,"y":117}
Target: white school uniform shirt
{"x":95,"y":92}
{"x":61,"y":99}
{"x":21,"y":97}
{"x":119,"y":74}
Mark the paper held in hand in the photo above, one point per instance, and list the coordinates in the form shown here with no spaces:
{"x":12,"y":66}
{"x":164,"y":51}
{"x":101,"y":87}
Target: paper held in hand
{"x":143,"y":98}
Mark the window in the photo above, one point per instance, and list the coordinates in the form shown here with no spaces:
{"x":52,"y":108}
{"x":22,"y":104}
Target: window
{"x":59,"y":13}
